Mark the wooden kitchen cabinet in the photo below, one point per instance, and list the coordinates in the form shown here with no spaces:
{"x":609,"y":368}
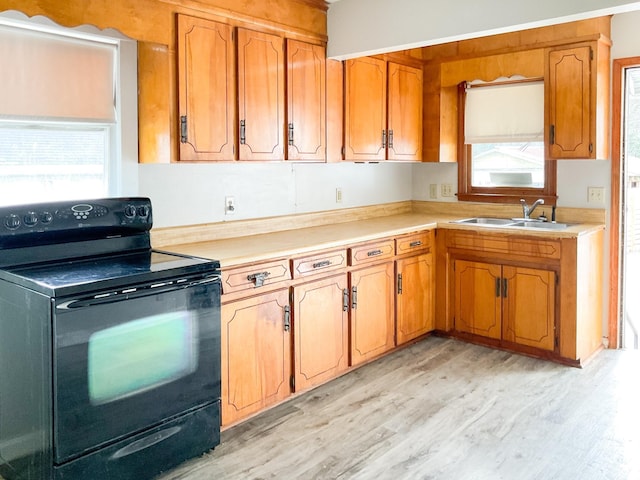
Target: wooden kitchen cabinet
{"x":321,"y":331}
{"x":260,"y":95}
{"x":372,"y":319}
{"x":415,"y":285}
{"x":206,"y":82}
{"x":577,"y":101}
{"x":256,"y":354}
{"x":306,"y":106}
{"x":383,"y":110}
{"x":515,"y":304}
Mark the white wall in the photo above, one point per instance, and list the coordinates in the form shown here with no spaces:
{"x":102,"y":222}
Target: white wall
{"x":363,"y":27}
{"x":187,"y":194}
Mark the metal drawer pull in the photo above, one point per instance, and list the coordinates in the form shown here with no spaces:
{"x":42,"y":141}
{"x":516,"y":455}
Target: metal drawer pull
{"x":373,"y":253}
{"x":417,"y":243}
{"x":258,"y":278}
{"x":324,"y":263}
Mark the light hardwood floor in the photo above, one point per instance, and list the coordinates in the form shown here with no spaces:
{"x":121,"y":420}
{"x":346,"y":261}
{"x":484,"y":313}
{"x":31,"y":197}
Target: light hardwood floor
{"x":443,"y":409}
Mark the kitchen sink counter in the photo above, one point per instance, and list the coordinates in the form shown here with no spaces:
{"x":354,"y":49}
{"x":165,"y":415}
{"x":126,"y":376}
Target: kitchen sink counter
{"x":293,"y":242}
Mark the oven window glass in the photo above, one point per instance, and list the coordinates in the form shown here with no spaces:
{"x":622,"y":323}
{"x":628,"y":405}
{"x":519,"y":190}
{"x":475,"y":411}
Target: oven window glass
{"x":141,"y":354}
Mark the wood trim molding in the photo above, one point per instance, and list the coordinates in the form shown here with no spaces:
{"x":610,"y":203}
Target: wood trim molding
{"x":619,"y":66}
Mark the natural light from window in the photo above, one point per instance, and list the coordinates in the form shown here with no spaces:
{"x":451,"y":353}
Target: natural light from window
{"x":517,"y":164}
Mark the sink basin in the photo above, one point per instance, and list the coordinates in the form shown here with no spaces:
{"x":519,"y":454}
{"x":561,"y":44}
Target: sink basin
{"x":486,"y":221}
{"x":541,"y":225}
{"x":511,"y":222}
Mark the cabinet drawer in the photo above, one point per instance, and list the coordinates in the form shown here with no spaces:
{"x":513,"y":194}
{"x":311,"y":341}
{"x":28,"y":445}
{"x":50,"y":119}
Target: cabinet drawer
{"x":416,"y":242}
{"x":371,"y":252}
{"x":255,"y":276}
{"x":319,"y":263}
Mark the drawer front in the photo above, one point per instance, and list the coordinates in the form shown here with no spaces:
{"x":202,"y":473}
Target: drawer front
{"x":416,"y":242}
{"x":371,"y":252}
{"x":255,"y":276}
{"x":516,"y":246}
{"x":319,"y":263}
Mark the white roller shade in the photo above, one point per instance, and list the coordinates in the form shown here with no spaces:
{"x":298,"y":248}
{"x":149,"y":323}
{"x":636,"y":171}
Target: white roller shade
{"x":504,"y":113}
{"x":55,"y":77}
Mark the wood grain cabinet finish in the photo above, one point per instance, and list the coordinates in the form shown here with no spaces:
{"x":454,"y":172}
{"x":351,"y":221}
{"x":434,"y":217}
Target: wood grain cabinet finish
{"x":515,"y":304}
{"x":383,"y":110}
{"x":260,"y":95}
{"x":321,"y":331}
{"x":415,"y":297}
{"x":371,"y":252}
{"x":256,"y":276}
{"x":306,"y":106}
{"x":206,"y":82}
{"x":577,"y":96}
{"x":319,"y":263}
{"x":372,"y":312}
{"x":256,"y":354}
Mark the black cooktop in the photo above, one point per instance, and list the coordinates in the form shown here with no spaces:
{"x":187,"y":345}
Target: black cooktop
{"x":112,"y":271}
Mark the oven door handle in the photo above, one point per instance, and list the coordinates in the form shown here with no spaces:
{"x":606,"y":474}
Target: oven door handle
{"x":133,"y":293}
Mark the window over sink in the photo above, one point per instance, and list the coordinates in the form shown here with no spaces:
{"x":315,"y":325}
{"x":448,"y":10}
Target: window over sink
{"x":501,"y":142}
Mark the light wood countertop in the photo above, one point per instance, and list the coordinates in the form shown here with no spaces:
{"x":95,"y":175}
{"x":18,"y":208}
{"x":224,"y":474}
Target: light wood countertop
{"x":300,"y":241}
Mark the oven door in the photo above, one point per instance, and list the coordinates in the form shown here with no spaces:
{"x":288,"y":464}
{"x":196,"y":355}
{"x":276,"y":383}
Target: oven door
{"x":128,"y":360}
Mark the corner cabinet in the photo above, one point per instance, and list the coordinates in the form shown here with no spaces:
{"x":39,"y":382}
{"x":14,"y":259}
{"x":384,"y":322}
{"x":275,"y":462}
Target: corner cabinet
{"x":577,"y":101}
{"x":383,"y":110}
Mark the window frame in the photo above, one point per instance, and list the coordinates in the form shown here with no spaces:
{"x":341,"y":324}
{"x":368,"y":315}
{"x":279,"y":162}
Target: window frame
{"x":468,"y":193}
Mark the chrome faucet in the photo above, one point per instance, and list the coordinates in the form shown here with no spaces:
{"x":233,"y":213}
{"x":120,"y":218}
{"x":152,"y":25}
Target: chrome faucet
{"x":528,"y":210}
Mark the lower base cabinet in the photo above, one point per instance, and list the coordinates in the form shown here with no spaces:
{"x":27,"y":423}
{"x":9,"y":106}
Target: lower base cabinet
{"x":321,"y":342}
{"x":372,"y":319}
{"x":256,"y":354}
{"x":503,"y":302}
{"x":415,"y":297}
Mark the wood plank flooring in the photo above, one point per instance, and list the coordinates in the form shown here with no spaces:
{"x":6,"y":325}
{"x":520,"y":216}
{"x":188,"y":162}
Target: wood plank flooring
{"x":443,"y":409}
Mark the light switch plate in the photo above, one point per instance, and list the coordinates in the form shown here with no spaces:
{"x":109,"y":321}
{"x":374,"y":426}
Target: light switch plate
{"x":595,"y":195}
{"x":433,"y":191}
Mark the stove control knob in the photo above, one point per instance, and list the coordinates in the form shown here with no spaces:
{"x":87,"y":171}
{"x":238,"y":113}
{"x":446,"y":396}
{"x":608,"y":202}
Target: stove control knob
{"x":12,"y":222}
{"x":46,"y":217}
{"x":129,"y":211}
{"x":30,"y":219}
{"x":143,"y":211}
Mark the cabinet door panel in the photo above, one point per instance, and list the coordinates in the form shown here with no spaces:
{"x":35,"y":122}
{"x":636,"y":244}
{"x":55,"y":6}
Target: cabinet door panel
{"x":372,"y":325}
{"x":477,"y":298}
{"x":415,"y":299}
{"x":405,"y":112}
{"x":529,"y":305}
{"x":256,"y":355}
{"x":306,"y":101}
{"x":207,"y":93}
{"x":320,"y":331}
{"x":569,"y":94}
{"x":260,"y":95}
{"x":365,"y":109}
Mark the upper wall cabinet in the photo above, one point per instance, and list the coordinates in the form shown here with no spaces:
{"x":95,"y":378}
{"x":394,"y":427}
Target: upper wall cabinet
{"x":306,"y":93}
{"x":232,"y":94}
{"x":383,"y":110}
{"x":577,"y":97}
{"x":260,"y":95}
{"x":207,"y":89}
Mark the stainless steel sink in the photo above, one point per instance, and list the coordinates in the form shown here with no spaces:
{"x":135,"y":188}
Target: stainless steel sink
{"x":486,"y":221}
{"x":541,"y":225}
{"x":512,"y":223}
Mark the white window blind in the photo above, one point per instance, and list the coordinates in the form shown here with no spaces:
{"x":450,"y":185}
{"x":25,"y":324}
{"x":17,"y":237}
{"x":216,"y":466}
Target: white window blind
{"x":504,"y":113}
{"x":53,"y":77}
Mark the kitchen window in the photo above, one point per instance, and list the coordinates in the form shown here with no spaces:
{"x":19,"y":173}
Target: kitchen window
{"x":501,"y":149}
{"x":62,"y":111}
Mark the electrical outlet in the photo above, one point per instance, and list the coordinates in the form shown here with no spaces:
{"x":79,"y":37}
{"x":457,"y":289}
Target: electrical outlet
{"x":229,"y":205}
{"x":433,"y":191}
{"x":446,"y":190}
{"x":595,"y":195}
{"x":338,"y":195}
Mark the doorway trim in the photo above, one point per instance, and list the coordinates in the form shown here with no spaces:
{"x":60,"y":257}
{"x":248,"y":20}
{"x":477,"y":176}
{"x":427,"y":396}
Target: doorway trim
{"x":615,"y":233}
